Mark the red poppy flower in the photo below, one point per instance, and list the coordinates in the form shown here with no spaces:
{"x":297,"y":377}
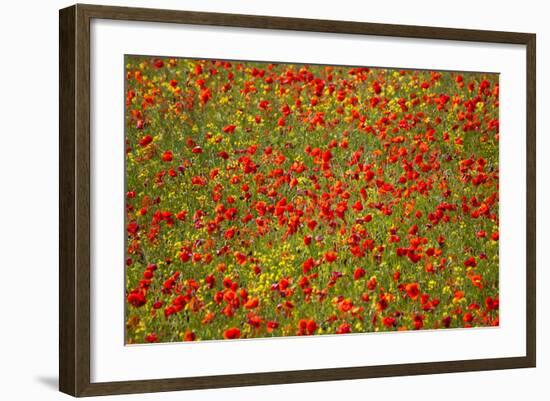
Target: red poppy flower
{"x":344,"y":328}
{"x":231,"y":333}
{"x":413,"y":290}
{"x":189,"y":336}
{"x":146,"y":140}
{"x":468,"y":317}
{"x":359,"y":273}
{"x":229,"y":129}
{"x":136,"y":298}
{"x":308,"y":265}
{"x":311,"y":326}
{"x":470,"y":262}
{"x":151,"y":338}
{"x":330,"y":256}
{"x":271,"y":325}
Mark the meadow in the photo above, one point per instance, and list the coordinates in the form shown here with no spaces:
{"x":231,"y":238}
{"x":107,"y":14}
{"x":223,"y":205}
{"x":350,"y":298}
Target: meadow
{"x":268,"y":200}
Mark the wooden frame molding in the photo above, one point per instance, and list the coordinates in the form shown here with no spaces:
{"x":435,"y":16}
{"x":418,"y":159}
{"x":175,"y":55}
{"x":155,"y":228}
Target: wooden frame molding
{"x":74,"y":199}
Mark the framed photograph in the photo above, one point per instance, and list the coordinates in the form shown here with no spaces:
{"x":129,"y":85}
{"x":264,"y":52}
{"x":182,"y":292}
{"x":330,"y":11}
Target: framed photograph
{"x":250,"y":200}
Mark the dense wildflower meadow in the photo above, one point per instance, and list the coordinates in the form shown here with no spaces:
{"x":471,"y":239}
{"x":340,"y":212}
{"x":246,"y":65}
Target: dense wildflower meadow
{"x":268,"y":200}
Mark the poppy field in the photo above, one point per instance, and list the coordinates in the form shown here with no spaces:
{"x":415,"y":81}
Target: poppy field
{"x":269,"y":200}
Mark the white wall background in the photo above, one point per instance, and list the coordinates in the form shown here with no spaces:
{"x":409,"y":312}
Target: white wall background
{"x":29,"y":185}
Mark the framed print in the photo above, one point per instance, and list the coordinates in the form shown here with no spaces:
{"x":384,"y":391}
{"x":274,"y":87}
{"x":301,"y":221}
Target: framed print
{"x":279,"y":200}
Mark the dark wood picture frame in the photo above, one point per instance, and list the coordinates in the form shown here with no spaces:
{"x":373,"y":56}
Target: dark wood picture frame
{"x":74,"y":199}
